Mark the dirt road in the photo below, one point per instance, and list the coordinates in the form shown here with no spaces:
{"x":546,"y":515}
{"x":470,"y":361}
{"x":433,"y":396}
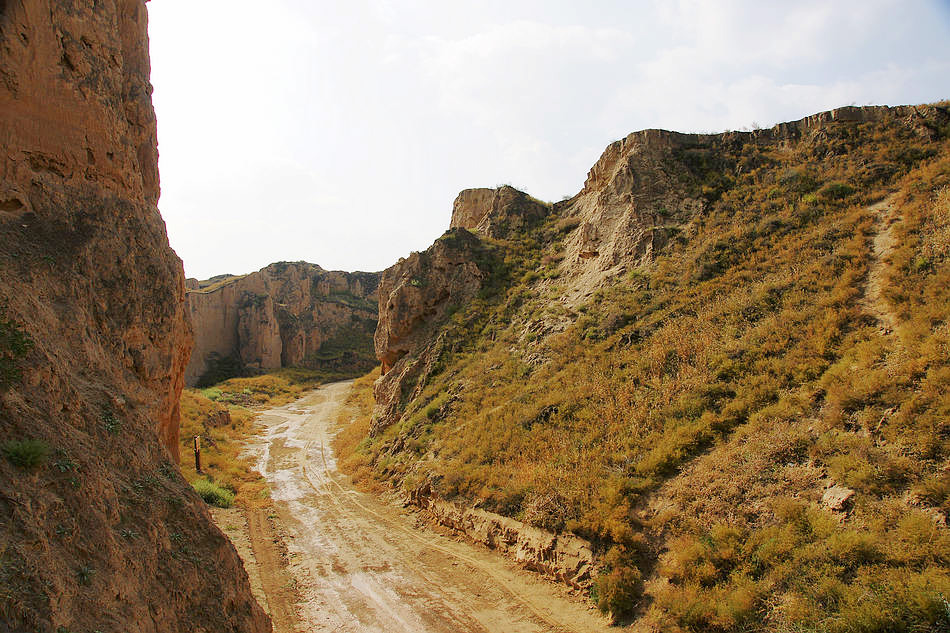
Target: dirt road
{"x":356,"y":564}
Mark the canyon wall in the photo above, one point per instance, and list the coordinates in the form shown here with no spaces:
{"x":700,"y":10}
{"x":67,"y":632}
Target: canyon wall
{"x":98,"y":530}
{"x":289,"y":314}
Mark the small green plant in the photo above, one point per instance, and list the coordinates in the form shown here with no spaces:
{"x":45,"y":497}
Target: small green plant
{"x":167,"y":470}
{"x":213,"y":494}
{"x":64,"y":464}
{"x":26,"y":453}
{"x":110,"y":423}
{"x":85,"y":574}
{"x":14,"y":345}
{"x":212,"y":393}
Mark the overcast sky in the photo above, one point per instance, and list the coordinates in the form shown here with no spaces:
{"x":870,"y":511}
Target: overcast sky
{"x":340,"y":132}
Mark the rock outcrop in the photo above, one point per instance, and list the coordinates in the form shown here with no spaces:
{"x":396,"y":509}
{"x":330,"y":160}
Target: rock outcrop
{"x":563,"y":557}
{"x":285,"y":315}
{"x":98,"y":530}
{"x":496,"y":212}
{"x":415,"y":296}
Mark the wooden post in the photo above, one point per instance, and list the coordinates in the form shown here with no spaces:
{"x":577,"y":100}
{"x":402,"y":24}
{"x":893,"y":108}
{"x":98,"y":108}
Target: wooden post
{"x":198,"y":453}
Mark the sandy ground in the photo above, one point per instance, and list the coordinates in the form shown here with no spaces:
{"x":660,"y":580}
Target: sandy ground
{"x":329,"y":558}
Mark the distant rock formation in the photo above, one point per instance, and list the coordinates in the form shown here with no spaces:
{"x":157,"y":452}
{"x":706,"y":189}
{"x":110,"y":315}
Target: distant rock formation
{"x":99,"y":530}
{"x":289,"y":314}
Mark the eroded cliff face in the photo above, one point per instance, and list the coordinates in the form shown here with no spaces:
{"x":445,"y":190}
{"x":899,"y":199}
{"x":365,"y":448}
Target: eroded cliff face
{"x":285,"y":315}
{"x":416,"y":295}
{"x":99,"y":531}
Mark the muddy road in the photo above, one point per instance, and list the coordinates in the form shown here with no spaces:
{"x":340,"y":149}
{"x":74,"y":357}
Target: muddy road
{"x":330,"y":558}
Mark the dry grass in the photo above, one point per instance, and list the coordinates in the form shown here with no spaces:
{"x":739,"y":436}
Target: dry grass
{"x":224,"y":417}
{"x":689,"y":419}
{"x":355,"y":421}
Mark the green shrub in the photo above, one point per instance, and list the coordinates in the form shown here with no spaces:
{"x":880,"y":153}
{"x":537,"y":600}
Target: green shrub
{"x":213,"y":494}
{"x":212,"y":393}
{"x":835,"y":191}
{"x":14,"y":345}
{"x":619,"y":591}
{"x":26,"y":453}
{"x":111,"y":423}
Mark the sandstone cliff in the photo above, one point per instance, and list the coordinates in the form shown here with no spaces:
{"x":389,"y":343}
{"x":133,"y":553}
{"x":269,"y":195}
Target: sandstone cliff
{"x":289,"y":314}
{"x":417,"y":295}
{"x":98,"y":530}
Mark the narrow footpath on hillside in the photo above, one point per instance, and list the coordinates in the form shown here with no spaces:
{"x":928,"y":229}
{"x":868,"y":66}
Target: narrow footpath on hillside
{"x":346,"y":561}
{"x":882,"y":246}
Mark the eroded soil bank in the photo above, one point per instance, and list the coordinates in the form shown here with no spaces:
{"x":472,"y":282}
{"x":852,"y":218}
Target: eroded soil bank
{"x":352,"y":563}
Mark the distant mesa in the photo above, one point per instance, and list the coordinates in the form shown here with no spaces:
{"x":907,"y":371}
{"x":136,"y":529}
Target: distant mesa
{"x":288,"y":314}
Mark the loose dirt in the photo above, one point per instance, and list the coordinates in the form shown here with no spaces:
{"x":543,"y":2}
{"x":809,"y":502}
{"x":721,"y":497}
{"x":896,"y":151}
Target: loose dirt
{"x":331,"y":558}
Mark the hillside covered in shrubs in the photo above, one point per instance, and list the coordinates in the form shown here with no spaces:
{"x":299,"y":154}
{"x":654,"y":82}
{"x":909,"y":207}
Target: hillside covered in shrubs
{"x":726,"y":362}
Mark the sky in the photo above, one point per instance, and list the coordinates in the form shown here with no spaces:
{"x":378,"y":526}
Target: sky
{"x":339,"y":133}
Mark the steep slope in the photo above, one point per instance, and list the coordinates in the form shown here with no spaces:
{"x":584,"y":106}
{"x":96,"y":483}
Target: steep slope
{"x":680,"y":364}
{"x":98,"y":530}
{"x":289,"y":314}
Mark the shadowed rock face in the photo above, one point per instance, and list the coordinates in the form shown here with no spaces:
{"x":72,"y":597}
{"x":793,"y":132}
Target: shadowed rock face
{"x":285,"y":315}
{"x":102,"y":532}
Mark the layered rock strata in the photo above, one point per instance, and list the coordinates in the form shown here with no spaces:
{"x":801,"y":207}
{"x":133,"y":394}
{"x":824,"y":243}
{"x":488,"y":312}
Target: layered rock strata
{"x":98,"y":530}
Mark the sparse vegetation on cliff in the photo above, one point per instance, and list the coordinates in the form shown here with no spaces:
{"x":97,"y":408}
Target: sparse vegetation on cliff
{"x":25,"y":453}
{"x":14,"y":345}
{"x":690,"y":413}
